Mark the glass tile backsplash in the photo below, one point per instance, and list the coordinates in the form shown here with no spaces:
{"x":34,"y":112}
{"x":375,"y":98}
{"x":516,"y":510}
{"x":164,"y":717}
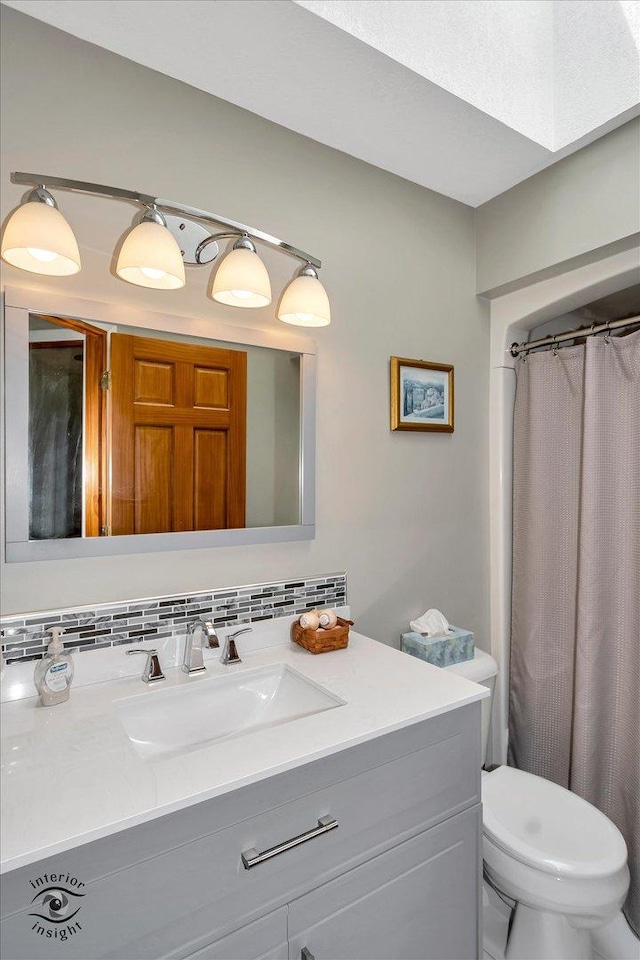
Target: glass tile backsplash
{"x":24,"y":637}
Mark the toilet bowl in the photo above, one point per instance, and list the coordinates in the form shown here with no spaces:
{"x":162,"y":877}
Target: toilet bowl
{"x":561,"y":860}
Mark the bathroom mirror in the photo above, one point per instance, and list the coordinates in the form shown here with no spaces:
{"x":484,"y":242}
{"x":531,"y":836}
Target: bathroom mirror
{"x":133,"y":432}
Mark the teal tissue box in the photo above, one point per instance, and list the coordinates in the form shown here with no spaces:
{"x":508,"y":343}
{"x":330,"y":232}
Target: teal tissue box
{"x":456,"y":647}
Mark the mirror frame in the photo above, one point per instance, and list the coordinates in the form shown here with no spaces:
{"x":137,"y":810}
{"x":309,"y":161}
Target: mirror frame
{"x":18,"y":304}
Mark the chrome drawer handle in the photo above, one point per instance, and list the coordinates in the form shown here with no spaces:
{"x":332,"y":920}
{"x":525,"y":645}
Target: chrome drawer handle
{"x":251,"y":858}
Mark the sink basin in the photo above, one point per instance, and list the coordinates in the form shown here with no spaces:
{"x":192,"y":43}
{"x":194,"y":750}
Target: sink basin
{"x":162,"y":723}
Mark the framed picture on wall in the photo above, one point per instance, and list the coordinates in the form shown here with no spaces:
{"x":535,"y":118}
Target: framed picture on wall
{"x":421,"y":395}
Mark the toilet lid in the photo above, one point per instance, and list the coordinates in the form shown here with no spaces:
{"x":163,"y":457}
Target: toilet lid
{"x":544,"y":825}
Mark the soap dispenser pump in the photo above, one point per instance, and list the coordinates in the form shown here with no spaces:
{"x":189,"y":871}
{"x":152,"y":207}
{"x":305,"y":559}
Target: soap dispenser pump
{"x":54,"y":673}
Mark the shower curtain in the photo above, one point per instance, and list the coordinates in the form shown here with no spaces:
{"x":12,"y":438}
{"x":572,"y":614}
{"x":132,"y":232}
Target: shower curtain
{"x":575,"y":639}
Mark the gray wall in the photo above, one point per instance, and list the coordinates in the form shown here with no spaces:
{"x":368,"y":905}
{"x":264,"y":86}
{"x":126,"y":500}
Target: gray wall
{"x":584,"y":202}
{"x":273,"y":437}
{"x":405,"y":515}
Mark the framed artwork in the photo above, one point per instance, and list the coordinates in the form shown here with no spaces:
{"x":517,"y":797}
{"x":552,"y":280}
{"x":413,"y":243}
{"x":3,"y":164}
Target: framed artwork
{"x":421,"y":395}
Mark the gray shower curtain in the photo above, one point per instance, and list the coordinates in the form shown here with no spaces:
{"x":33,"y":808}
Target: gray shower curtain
{"x":575,"y":639}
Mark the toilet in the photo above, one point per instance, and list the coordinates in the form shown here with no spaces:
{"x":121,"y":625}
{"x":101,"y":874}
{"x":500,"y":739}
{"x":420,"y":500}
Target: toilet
{"x":561,"y":861}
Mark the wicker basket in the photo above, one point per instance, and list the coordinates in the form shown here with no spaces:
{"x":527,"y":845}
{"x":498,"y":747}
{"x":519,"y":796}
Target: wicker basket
{"x":321,"y":641}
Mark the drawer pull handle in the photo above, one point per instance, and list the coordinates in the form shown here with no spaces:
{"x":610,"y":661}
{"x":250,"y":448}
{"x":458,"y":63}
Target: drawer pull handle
{"x":306,"y":954}
{"x":251,"y":858}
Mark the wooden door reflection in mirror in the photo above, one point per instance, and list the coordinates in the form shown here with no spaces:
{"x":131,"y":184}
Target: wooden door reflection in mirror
{"x":178,"y":459}
{"x":236,"y":443}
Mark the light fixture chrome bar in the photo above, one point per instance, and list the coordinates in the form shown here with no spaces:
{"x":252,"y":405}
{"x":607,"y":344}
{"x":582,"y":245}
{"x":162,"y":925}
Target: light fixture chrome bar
{"x":183,"y":209}
{"x":80,"y":186}
{"x":517,"y":348}
{"x":166,"y":206}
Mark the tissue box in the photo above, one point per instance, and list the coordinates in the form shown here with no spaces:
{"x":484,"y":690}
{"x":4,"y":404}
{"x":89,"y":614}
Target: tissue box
{"x":455,"y":647}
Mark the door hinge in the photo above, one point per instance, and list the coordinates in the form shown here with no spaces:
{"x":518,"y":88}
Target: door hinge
{"x":105,"y":530}
{"x":105,"y":380}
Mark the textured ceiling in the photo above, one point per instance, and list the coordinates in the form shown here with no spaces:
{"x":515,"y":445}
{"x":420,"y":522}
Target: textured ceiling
{"x":554,"y":70}
{"x":495,"y":56}
{"x":461,"y":97}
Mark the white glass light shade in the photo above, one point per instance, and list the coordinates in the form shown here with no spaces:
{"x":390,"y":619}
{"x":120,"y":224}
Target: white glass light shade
{"x":242,"y":280}
{"x":305,"y":303}
{"x":39,"y":239}
{"x":150,"y":257}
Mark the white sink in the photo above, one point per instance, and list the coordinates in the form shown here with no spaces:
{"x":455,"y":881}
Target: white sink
{"x":161,"y":723}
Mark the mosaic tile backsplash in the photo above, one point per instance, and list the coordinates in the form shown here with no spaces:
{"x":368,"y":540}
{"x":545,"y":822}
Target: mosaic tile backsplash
{"x":110,"y":624}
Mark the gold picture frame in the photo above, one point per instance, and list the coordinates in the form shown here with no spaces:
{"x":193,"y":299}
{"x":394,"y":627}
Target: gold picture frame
{"x":421,"y":396}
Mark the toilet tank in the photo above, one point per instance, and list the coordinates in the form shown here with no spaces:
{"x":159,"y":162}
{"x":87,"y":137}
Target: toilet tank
{"x":483,"y":670}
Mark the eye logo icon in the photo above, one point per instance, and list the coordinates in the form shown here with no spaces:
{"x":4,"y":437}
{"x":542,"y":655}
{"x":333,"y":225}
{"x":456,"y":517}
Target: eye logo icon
{"x":56,"y":904}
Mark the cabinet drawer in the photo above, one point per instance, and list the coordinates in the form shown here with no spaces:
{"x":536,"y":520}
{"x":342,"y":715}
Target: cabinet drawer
{"x":173,"y":903}
{"x":264,"y":939}
{"x":417,"y":901}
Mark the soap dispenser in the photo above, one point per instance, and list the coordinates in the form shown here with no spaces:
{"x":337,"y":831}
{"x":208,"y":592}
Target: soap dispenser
{"x":54,"y":673}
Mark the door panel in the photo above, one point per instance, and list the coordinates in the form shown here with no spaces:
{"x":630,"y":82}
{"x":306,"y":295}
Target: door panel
{"x":211,"y":388}
{"x":210,"y":479}
{"x":179,"y":436}
{"x":154,"y":383}
{"x":153,"y":494}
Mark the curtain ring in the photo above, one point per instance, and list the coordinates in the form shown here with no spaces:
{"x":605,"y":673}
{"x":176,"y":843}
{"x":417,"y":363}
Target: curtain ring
{"x":607,"y":334}
{"x":554,"y":348}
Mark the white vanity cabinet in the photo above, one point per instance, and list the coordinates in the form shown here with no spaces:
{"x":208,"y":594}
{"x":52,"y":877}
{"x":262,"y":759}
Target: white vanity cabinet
{"x":398,"y":878}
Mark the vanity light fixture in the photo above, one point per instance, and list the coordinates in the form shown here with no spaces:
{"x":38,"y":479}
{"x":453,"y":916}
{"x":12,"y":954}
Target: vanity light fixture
{"x":305,"y":302}
{"x":242,"y":280}
{"x":149,"y":256}
{"x":37,"y":238}
{"x":166,"y":236}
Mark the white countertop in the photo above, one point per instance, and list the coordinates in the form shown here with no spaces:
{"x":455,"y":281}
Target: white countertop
{"x":70,"y":774}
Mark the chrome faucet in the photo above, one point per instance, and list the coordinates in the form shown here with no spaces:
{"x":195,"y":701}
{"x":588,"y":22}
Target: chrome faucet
{"x":230,"y":652}
{"x":152,"y":669}
{"x":193,"y":661}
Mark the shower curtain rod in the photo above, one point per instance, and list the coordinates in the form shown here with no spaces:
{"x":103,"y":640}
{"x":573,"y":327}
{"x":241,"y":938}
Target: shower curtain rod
{"x":517,"y":348}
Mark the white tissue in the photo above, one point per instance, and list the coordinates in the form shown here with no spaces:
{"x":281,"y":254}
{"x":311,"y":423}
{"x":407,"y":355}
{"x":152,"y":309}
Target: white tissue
{"x":431,"y":624}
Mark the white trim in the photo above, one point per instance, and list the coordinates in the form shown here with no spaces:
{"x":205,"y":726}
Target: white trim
{"x":39,"y":301}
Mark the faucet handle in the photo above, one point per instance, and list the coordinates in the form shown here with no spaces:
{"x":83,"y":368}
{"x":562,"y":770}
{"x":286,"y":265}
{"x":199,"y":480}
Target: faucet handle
{"x":230,"y":652}
{"x":152,"y":669}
